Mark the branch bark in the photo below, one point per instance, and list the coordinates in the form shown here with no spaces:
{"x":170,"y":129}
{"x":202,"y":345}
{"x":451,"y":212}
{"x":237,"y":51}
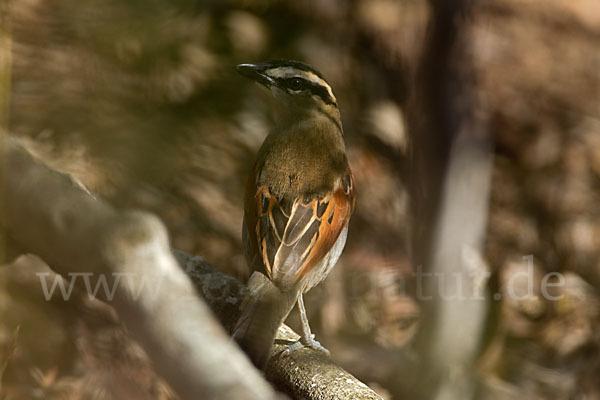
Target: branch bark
{"x":49,"y":214}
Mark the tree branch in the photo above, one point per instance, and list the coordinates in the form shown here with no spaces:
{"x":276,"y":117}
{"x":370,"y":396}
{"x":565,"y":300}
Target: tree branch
{"x":49,"y":215}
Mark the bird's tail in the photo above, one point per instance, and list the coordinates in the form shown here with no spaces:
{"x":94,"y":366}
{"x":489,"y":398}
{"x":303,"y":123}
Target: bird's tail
{"x":263,"y":311}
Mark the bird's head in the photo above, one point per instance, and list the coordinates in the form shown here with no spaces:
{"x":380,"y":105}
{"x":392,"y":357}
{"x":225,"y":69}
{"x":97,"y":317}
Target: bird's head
{"x":297,"y":86}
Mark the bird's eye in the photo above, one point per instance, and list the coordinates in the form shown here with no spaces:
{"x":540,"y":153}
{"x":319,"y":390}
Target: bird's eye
{"x":295,"y":83}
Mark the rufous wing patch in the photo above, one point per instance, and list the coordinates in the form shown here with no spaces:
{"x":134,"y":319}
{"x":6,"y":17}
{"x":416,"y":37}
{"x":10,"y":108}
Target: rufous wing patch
{"x":292,"y":236}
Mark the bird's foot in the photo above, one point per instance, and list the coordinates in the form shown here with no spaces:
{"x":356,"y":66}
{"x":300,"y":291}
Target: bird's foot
{"x":305,"y":342}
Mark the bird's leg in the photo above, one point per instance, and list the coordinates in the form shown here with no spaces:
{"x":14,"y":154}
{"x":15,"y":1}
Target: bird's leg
{"x":308,"y":338}
{"x":307,"y":335}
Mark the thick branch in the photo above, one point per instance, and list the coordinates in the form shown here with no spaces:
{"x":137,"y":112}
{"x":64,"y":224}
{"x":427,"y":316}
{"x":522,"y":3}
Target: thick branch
{"x":49,"y":215}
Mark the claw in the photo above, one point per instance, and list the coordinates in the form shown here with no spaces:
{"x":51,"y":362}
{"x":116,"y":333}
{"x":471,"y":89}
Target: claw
{"x":302,"y":343}
{"x":291,"y":348}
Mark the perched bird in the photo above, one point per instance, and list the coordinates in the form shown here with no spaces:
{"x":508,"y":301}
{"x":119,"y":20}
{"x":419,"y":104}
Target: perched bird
{"x":298,"y":201}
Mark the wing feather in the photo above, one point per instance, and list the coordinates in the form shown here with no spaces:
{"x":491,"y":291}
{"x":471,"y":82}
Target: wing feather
{"x":293,"y":235}
{"x":301,"y":219}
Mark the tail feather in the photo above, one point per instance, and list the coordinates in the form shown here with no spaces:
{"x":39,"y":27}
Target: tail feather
{"x":264,"y":310}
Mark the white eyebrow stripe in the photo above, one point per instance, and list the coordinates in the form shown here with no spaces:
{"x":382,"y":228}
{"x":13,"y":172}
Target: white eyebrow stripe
{"x":321,"y":82}
{"x":290,"y":72}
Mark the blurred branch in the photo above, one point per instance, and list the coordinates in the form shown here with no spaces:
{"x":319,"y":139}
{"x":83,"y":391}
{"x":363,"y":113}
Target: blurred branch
{"x":433,"y":123}
{"x":450,"y":189}
{"x":48,"y":214}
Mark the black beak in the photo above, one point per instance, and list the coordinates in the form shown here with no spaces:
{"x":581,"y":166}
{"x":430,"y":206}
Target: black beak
{"x":256,"y":73}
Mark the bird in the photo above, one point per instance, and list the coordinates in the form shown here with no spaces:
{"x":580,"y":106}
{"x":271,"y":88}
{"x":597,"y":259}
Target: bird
{"x":298,"y":201}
